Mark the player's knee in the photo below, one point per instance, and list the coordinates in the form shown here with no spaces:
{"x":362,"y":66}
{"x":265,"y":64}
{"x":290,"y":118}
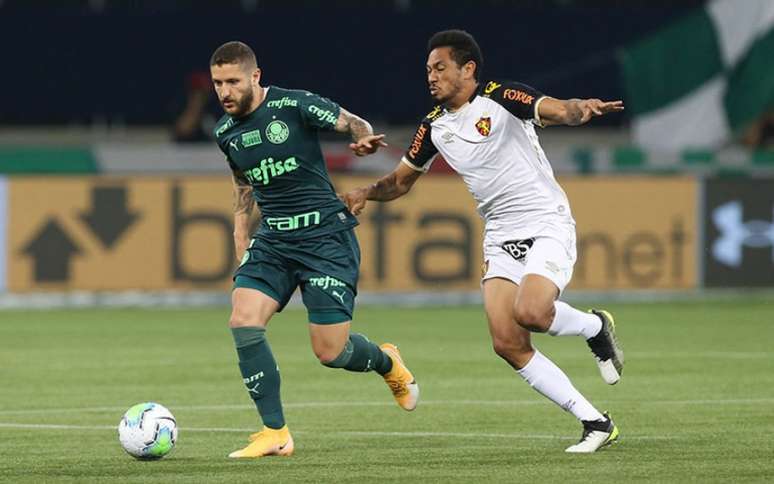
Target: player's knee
{"x":533,"y":317}
{"x":240,"y":318}
{"x":327,"y":354}
{"x":511,"y":348}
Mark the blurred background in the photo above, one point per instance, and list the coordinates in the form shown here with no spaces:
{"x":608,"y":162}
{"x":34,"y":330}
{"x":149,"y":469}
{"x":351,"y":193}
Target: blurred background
{"x":113,"y":191}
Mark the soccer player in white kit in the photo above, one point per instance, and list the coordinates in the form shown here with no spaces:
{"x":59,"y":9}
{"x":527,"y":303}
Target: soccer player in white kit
{"x":485,"y":131}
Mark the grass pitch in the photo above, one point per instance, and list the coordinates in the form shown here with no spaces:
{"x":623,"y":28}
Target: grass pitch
{"x":696,"y":402}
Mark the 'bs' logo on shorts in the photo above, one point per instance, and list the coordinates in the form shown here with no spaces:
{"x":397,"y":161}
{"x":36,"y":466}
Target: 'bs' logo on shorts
{"x":518,"y":248}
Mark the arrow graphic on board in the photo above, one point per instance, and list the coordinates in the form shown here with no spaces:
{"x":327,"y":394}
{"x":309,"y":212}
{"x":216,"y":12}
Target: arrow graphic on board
{"x":109,"y":216}
{"x":52,"y":249}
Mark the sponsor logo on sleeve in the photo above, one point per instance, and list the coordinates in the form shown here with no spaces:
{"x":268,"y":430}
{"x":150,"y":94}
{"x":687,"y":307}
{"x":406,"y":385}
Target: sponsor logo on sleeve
{"x":416,"y":144}
{"x":491,"y":87}
{"x":435,"y":113}
{"x":224,"y":128}
{"x":518,"y":96}
{"x":323,"y":115}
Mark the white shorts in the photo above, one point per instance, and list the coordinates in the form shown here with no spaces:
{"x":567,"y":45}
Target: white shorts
{"x":545,"y":256}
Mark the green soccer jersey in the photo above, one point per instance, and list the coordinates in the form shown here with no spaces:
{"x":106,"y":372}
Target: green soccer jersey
{"x":276,"y":148}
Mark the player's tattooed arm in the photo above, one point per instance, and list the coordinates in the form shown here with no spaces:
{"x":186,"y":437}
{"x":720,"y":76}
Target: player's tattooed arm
{"x":364,"y":141}
{"x":388,"y":187}
{"x":243,"y":208}
{"x":573,"y":112}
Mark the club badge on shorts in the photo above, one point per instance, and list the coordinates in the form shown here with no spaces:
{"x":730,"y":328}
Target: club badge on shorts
{"x":518,"y":248}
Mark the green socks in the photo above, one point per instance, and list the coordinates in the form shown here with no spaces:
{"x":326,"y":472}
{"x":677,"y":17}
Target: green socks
{"x":360,"y":354}
{"x":260,"y":373}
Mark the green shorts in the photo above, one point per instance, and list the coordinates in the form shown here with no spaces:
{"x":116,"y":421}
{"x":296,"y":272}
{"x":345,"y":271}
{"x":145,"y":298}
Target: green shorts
{"x":326,"y":268}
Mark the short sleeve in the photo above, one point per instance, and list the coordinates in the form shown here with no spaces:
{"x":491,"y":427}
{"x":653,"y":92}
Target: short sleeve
{"x":224,"y":150}
{"x":518,"y":99}
{"x":317,"y":111}
{"x":422,"y":150}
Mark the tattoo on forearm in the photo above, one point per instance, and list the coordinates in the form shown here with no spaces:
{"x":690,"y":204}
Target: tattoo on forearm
{"x":243,"y":195}
{"x":386,"y":188}
{"x":356,"y":126}
{"x":574,"y":112}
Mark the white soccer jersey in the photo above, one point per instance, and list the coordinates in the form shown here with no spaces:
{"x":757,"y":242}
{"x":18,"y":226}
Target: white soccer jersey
{"x":491,"y":142}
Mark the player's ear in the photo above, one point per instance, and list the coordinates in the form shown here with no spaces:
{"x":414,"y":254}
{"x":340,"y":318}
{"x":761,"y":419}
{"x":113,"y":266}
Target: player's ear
{"x":256,"y":79}
{"x":469,"y":70}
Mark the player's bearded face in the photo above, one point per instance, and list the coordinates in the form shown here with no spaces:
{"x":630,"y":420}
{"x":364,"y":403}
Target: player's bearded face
{"x":444,"y":76}
{"x":239,"y":103}
{"x":234,"y":87}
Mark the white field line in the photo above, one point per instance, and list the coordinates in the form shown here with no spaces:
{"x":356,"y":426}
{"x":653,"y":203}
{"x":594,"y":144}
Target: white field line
{"x":505,"y":403}
{"x":11,"y":425}
{"x":742,"y":355}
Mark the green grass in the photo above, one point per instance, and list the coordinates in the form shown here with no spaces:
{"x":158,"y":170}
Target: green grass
{"x":696,"y":402}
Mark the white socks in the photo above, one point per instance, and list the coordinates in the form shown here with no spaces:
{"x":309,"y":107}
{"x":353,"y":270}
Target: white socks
{"x":571,"y":322}
{"x":549,"y":380}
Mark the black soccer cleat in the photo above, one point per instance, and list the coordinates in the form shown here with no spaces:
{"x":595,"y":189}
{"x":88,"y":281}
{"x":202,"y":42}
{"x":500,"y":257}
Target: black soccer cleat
{"x":607,"y":351}
{"x":596,"y":434}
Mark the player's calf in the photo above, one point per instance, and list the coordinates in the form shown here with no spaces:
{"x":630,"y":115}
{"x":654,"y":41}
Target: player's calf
{"x":533,"y":316}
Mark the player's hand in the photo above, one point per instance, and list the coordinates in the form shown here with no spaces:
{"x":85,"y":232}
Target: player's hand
{"x":597,"y":107}
{"x":355,"y":200}
{"x":368,"y":144}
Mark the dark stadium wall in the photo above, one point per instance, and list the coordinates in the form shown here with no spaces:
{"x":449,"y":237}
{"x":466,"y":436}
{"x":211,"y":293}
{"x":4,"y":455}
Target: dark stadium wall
{"x":131,"y":66}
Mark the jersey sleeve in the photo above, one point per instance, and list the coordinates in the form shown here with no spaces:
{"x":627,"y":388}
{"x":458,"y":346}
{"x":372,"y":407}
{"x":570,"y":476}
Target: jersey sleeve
{"x":223,"y":149}
{"x":421,"y":152}
{"x":317,"y":111}
{"x":518,"y":99}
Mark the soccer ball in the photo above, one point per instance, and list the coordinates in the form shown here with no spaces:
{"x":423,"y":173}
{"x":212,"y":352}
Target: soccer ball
{"x":147,"y":431}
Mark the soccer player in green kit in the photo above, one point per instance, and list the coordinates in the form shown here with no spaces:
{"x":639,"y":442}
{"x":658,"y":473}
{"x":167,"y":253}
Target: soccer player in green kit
{"x":306,"y":238}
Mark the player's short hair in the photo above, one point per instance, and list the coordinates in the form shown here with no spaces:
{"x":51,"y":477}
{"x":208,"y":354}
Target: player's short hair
{"x":234,"y":52}
{"x":464,"y":48}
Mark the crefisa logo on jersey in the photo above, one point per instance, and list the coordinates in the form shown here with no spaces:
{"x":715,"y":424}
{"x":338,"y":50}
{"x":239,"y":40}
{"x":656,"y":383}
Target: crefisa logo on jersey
{"x":484,"y":126}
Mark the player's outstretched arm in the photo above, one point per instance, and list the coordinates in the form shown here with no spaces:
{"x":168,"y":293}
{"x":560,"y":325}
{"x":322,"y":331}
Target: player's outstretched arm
{"x":365,"y":142}
{"x":388,"y":187}
{"x":243,"y":207}
{"x":573,"y":112}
